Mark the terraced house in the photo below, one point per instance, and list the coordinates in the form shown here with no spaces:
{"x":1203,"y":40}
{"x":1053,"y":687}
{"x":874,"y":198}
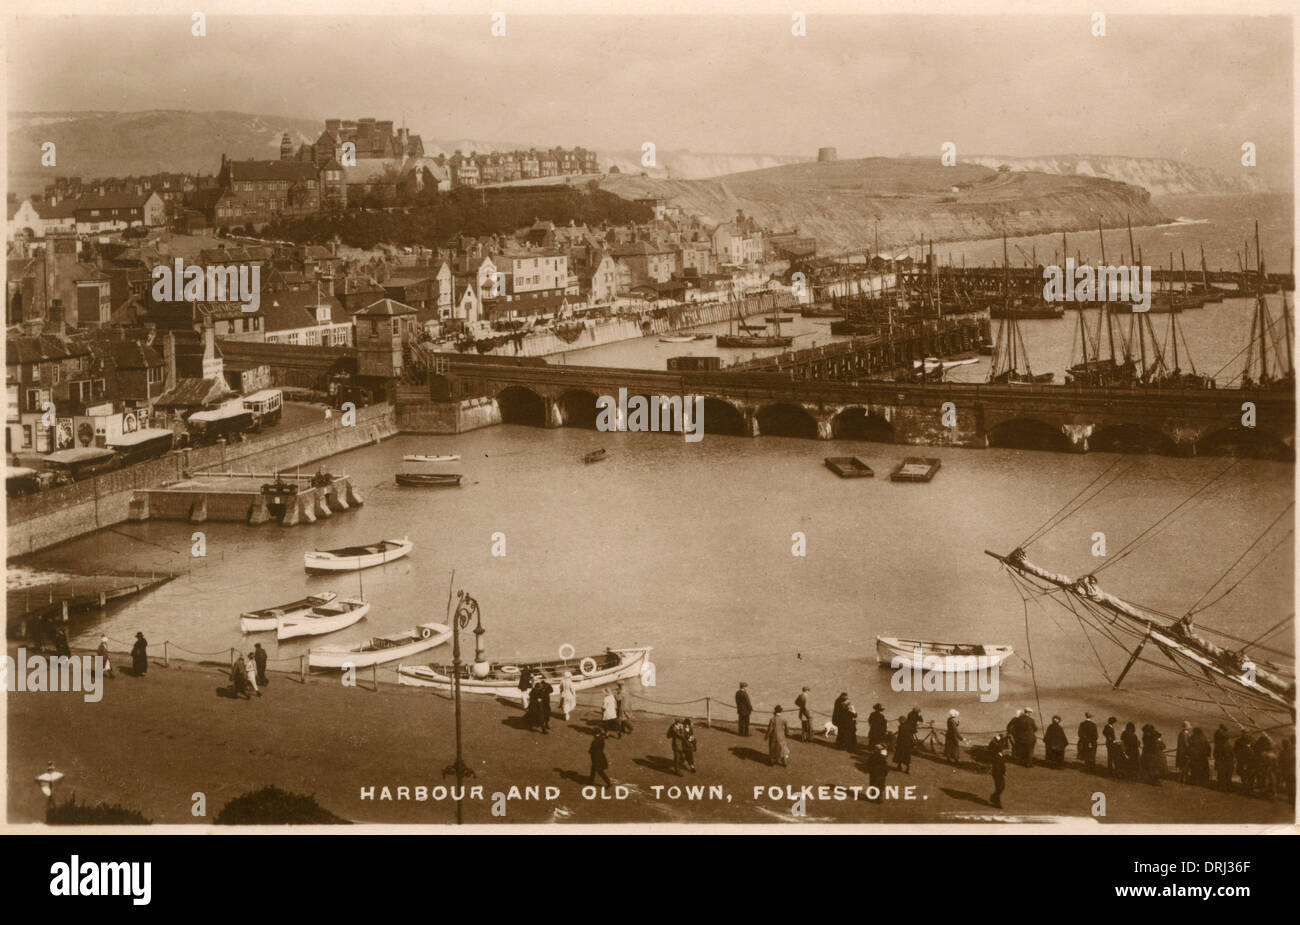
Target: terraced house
{"x":263,"y":191}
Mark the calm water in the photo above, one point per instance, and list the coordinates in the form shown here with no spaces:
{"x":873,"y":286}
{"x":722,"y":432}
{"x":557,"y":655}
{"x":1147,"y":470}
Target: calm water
{"x":687,"y":547}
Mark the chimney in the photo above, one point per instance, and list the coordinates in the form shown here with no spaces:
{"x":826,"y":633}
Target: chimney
{"x":169,"y":361}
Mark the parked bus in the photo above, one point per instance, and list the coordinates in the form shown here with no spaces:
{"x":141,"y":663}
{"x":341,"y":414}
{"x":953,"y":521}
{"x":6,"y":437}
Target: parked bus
{"x":139,"y":445}
{"x":227,"y":421}
{"x":265,"y":405}
{"x":73,"y":465}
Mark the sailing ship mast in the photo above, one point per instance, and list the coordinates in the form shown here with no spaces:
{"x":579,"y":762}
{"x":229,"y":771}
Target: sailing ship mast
{"x":1174,"y":639}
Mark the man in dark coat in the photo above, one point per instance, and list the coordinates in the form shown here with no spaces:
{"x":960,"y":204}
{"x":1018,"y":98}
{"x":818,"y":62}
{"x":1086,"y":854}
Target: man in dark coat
{"x":1086,"y":745}
{"x":1182,"y":753}
{"x":877,"y":726}
{"x":744,"y":707}
{"x":1114,"y":757}
{"x":599,"y":763}
{"x":544,"y":703}
{"x":845,"y":720}
{"x":1223,"y":757}
{"x":1198,"y":759}
{"x":259,"y":660}
{"x":805,"y":715}
{"x":140,"y":655}
{"x":61,"y":646}
{"x":877,"y":770}
{"x":998,"y":766}
{"x":904,"y":742}
{"x":1243,"y":751}
{"x":1054,"y":743}
{"x":1026,"y":738}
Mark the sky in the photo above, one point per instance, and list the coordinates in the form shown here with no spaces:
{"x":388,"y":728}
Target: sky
{"x":1191,"y":88}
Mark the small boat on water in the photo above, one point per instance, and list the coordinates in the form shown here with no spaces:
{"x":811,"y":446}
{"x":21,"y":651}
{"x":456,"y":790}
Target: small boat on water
{"x":915,"y":469}
{"x":594,"y":456}
{"x":320,"y":620}
{"x":503,"y":679}
{"x":259,"y":621}
{"x":676,"y":338}
{"x":752,"y":327}
{"x":428,"y":479}
{"x":849,"y":467}
{"x":948,"y":657}
{"x":416,"y":458}
{"x":381,"y":649}
{"x":783,"y":319}
{"x":703,"y":337}
{"x":355,"y":558}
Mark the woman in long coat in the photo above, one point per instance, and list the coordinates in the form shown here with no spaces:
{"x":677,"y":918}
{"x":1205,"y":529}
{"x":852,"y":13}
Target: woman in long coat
{"x":1132,"y":751}
{"x":140,"y":655}
{"x":568,"y":695}
{"x":845,"y":720}
{"x":903,"y":742}
{"x":1198,"y":759}
{"x":777,"y":731}
{"x":952,"y":738}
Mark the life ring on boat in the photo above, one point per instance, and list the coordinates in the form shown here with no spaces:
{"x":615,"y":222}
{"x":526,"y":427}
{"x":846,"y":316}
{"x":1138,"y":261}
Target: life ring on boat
{"x":587,"y":673}
{"x":564,"y":657}
{"x":425,"y":633}
{"x":510,"y":669}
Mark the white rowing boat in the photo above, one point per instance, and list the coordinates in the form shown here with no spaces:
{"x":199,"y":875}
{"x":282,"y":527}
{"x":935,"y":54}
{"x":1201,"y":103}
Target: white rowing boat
{"x":381,"y":649}
{"x":320,"y":620}
{"x":260,"y":621}
{"x":502,"y":679}
{"x":355,"y":558}
{"x":416,"y":458}
{"x":946,"y":657}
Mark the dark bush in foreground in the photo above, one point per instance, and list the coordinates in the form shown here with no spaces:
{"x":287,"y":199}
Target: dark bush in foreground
{"x":73,"y":813}
{"x":273,"y":806}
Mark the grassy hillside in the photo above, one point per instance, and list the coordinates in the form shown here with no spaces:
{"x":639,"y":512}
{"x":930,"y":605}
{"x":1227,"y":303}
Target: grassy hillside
{"x":843,"y":203}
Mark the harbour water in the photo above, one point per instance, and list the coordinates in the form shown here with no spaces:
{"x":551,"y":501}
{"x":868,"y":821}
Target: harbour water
{"x":688,"y":547}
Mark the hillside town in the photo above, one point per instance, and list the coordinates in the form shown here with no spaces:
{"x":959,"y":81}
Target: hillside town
{"x":90,"y":337}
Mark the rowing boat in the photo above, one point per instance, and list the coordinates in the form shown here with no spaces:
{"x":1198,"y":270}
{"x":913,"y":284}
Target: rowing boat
{"x":258,"y":621}
{"x":428,"y":479}
{"x":320,"y":620}
{"x":416,"y":457}
{"x":381,"y":649}
{"x":947,"y":657}
{"x":915,"y":469}
{"x":594,"y":456}
{"x":849,"y":467}
{"x":503,"y":678}
{"x":355,"y":558}
{"x":676,"y":338}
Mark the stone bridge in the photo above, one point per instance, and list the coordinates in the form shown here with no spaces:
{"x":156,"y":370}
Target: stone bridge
{"x":1174,"y":422}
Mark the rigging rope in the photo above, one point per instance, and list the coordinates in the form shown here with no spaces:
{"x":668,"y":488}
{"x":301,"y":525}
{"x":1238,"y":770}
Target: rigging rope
{"x":1192,"y":609}
{"x":1272,"y":549}
{"x":1048,"y":525}
{"x":1141,"y":537}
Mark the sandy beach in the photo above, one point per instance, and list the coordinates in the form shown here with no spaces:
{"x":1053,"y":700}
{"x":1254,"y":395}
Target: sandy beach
{"x":152,"y":743}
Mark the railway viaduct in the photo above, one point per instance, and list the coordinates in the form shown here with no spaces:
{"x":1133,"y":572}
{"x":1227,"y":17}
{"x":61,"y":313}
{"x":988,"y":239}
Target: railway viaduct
{"x":1175,"y":422}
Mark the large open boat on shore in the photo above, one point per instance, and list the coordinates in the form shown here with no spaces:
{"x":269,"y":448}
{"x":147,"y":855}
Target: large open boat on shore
{"x":428,"y":479}
{"x":381,"y":649}
{"x":326,"y":618}
{"x":354,"y":558}
{"x":502,"y":679}
{"x":948,"y":657}
{"x":260,"y":621}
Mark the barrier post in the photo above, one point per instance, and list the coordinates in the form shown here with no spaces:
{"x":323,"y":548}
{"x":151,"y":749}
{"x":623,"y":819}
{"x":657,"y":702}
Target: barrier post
{"x":166,"y":663}
{"x":302,"y":669}
{"x":374,"y":676}
{"x":708,"y":713}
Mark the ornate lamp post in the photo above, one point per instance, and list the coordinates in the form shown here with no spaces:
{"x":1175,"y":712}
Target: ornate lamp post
{"x":466,"y":609}
{"x":48,"y":780}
